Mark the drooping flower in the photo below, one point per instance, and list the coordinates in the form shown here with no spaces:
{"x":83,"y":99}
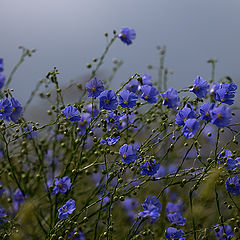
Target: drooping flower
{"x":113,"y":120}
{"x":66,"y":209}
{"x":146,"y":79}
{"x":233,"y":185}
{"x":17,"y":110}
{"x":83,"y":123}
{"x":174,"y":234}
{"x":214,"y":88}
{"x":170,"y":98}
{"x":184,"y":114}
{"x":133,"y":85}
{"x":225,"y":93}
{"x":127,"y":35}
{"x":62,"y":185}
{"x":190,"y":128}
{"x":221,"y":230}
{"x":92,"y":110}
{"x":110,"y":141}
{"x":205,"y":111}
{"x":128,"y":153}
{"x":221,"y":116}
{"x":94,"y":87}
{"x":18,"y":196}
{"x":149,"y":94}
{"x":150,"y":167}
{"x":71,"y":113}
{"x":108,"y":100}
{"x":176,"y":218}
{"x":200,"y":87}
{"x":127,"y":99}
{"x":5,"y":109}
{"x":152,"y":208}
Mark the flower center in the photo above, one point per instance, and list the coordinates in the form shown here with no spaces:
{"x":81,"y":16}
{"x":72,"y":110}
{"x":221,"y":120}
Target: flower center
{"x":146,"y":97}
{"x":219,"y":116}
{"x":2,"y":110}
{"x":13,"y":109}
{"x":94,"y":89}
{"x":125,"y":102}
{"x":124,"y":156}
{"x":107,"y":101}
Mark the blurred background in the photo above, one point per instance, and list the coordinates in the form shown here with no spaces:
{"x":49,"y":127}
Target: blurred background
{"x":69,"y":34}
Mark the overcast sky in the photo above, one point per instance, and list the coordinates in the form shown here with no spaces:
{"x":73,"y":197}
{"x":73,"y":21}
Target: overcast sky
{"x":69,"y":33}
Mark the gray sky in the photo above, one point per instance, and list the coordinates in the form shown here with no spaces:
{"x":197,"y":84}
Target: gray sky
{"x":69,"y":33}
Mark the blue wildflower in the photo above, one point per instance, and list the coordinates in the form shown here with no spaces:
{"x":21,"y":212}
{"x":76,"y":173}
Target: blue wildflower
{"x":17,"y":110}
{"x":113,"y":120}
{"x":221,"y":116}
{"x":190,"y":128}
{"x":170,"y":98}
{"x":214,"y":88}
{"x":232,"y":164}
{"x":149,"y":94}
{"x":172,"y":234}
{"x":2,"y":80}
{"x":108,"y":100}
{"x":32,"y":134}
{"x":110,"y":141}
{"x":5,"y":109}
{"x":130,"y":205}
{"x":62,"y":185}
{"x":149,"y":167}
{"x":146,"y":79}
{"x":152,"y":208}
{"x":205,"y":111}
{"x":66,"y":209}
{"x":3,"y":215}
{"x":1,"y":65}
{"x":225,"y":93}
{"x":127,"y":99}
{"x":174,"y":207}
{"x":92,"y":110}
{"x":184,"y":114}
{"x":132,"y":86}
{"x":233,"y":185}
{"x":225,"y":229}
{"x":127,"y":35}
{"x":223,"y":155}
{"x":200,"y":87}
{"x":18,"y":196}
{"x":71,"y":113}
{"x":77,"y":236}
{"x":128,"y":153}
{"x":176,"y":218}
{"x":83,"y":123}
{"x":94,"y":87}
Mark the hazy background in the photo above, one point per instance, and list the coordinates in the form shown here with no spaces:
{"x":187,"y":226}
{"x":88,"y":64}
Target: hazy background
{"x":69,"y":33}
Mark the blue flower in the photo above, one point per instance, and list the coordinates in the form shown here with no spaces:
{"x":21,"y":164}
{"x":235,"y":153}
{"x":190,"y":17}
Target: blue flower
{"x":2,"y":80}
{"x":221,"y":116}
{"x":233,"y":185}
{"x":1,"y":65}
{"x":129,"y":205}
{"x":214,"y":88}
{"x":78,"y":236}
{"x":71,"y":113}
{"x":18,"y":196}
{"x":94,"y":87}
{"x":17,"y":110}
{"x":225,"y":93}
{"x":3,"y":215}
{"x":184,"y":114}
{"x":190,"y":128}
{"x":108,"y":100}
{"x":83,"y":123}
{"x":66,"y":209}
{"x":92,"y":110}
{"x":128,"y":153}
{"x":127,"y":35}
{"x":149,"y":94}
{"x":5,"y":109}
{"x":113,"y":120}
{"x":132,"y":86}
{"x":200,"y":87}
{"x":2,"y":190}
{"x":205,"y":111}
{"x":227,"y":229}
{"x":173,"y":207}
{"x":152,"y":208}
{"x":172,"y":234}
{"x":176,"y":218}
{"x":127,"y":99}
{"x":224,"y":154}
{"x":232,"y":164}
{"x":62,"y":185}
{"x":170,"y":98}
{"x":32,"y":134}
{"x":109,"y":141}
{"x":149,"y":167}
{"x":146,"y":79}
